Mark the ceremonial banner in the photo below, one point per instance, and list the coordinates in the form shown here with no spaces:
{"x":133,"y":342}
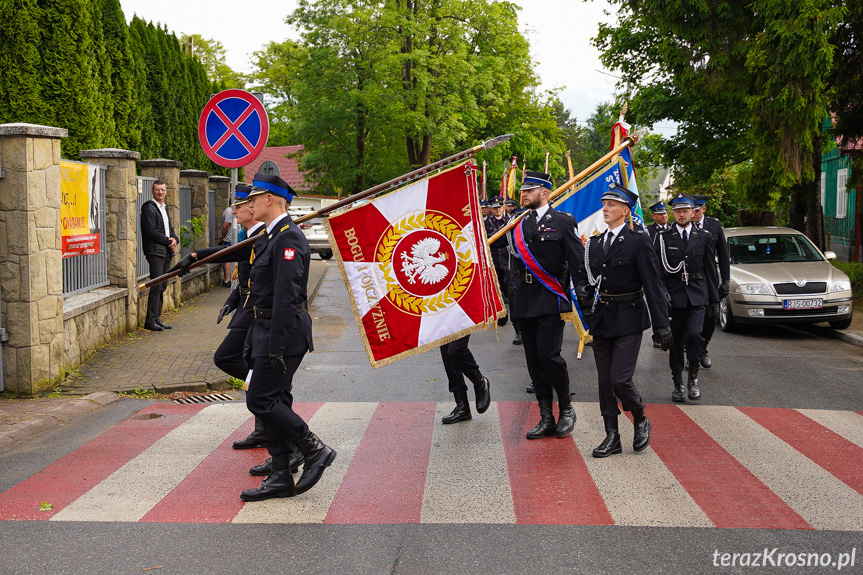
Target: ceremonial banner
{"x":417,"y":266}
{"x":79,"y":208}
{"x":585,"y":203}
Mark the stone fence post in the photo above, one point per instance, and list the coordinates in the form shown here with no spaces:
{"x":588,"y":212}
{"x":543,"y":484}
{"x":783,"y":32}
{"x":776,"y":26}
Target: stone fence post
{"x":121,"y":222}
{"x":31,"y":268}
{"x":169,"y":171}
{"x":198,"y":180}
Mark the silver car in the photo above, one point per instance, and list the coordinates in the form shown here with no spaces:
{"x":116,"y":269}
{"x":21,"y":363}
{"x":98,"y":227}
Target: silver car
{"x":779,"y":276}
{"x":314,"y":231}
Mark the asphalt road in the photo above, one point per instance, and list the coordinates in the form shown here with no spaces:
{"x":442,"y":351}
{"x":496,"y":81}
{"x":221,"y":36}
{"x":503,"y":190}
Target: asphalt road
{"x":776,"y":367}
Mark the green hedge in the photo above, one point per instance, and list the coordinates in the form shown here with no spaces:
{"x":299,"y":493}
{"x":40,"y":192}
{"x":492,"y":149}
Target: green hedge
{"x":854,"y":271}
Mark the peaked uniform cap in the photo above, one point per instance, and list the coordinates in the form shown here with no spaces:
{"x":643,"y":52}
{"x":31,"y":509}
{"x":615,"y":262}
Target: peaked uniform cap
{"x":620,"y":194}
{"x":271,"y":184}
{"x":241,"y":195}
{"x":681,"y":201}
{"x":536,"y":180}
{"x":495,"y":202}
{"x":658,"y":208}
{"x":700,"y":200}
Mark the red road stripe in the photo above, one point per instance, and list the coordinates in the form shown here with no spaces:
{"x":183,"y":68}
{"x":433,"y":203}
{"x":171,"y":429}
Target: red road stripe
{"x":828,"y":449}
{"x":726,"y":491}
{"x":211,"y":492}
{"x":386,"y":479}
{"x":72,"y":476}
{"x":550,"y":482}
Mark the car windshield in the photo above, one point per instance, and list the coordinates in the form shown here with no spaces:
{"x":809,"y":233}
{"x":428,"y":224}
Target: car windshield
{"x":769,"y":248}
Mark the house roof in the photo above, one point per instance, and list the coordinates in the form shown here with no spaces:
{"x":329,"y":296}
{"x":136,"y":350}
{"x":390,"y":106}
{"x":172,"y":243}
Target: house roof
{"x":288,"y":168}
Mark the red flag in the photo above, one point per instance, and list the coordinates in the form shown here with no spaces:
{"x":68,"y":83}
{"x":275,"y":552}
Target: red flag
{"x":416,"y":264}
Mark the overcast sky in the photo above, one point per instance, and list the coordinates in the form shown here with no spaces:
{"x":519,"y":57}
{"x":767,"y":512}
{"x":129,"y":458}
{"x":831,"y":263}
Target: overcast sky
{"x":559,"y":32}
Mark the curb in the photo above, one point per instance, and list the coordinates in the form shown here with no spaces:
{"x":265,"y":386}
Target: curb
{"x":847,"y":337}
{"x":55,"y":417}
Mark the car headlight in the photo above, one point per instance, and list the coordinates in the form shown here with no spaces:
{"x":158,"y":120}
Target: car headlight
{"x":752,"y":289}
{"x":841,"y":285}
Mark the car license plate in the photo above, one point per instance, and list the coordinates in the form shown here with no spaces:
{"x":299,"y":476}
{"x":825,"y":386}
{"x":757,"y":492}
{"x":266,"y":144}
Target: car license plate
{"x":804,"y":303}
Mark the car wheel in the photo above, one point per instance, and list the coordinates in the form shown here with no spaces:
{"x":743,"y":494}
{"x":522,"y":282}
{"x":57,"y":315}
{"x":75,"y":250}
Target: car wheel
{"x":726,"y":319}
{"x":841,"y":323}
{"x":326,"y":255}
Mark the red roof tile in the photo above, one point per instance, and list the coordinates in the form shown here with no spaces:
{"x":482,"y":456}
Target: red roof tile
{"x":288,"y":168}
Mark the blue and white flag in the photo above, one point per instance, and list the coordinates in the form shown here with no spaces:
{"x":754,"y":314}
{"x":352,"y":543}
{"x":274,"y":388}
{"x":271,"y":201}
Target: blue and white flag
{"x":585,"y":204}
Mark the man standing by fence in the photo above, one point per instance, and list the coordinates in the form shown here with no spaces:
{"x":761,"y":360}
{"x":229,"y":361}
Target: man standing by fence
{"x":159,"y":243}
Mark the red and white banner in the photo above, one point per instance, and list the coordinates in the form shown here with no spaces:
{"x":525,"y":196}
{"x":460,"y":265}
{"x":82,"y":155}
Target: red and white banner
{"x":416,"y":264}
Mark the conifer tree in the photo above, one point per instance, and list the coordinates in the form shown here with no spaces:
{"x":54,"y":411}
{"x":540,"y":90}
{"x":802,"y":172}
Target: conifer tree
{"x":21,"y":78}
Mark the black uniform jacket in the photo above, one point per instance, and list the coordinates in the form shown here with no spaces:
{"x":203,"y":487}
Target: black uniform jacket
{"x":653,"y":229}
{"x":714,"y":226}
{"x":154,"y":242}
{"x":492,"y":225}
{"x":240,"y":298}
{"x":278,"y":281}
{"x":558,"y":250}
{"x":700,"y":265}
{"x":628,"y":266}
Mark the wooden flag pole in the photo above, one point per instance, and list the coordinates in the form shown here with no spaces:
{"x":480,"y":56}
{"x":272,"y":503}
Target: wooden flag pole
{"x":386,"y":186}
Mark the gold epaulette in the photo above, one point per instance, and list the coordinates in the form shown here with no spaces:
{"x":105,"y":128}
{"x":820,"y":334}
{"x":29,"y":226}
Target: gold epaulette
{"x":286,"y":227}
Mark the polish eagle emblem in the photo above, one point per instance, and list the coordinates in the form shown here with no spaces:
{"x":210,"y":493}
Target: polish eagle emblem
{"x":425,"y":261}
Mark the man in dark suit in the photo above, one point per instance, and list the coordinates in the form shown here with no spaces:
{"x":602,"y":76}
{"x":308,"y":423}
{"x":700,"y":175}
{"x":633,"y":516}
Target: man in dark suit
{"x":624,"y":278}
{"x":279,"y":337}
{"x":550,"y":253}
{"x":159,"y":243}
{"x":660,"y":219}
{"x":720,"y":247}
{"x":689,"y":271}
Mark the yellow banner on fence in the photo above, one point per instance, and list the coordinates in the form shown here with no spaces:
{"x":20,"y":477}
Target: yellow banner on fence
{"x":79,"y":208}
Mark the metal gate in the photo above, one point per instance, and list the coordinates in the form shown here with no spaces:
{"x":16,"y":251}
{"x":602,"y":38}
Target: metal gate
{"x":82,"y":273}
{"x":145,"y":185}
{"x":185,"y":214}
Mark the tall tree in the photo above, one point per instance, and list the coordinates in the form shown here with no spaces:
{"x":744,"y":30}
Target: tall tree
{"x":211,"y":54}
{"x":20,"y":61}
{"x":119,"y":62}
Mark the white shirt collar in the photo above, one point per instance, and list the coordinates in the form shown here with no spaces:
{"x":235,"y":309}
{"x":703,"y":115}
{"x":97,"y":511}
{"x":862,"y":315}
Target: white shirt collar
{"x":275,"y":222}
{"x":616,"y":231}
{"x":253,"y":228}
{"x":680,"y":230}
{"x":540,"y":211}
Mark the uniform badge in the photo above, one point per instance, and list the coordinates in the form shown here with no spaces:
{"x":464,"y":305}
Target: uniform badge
{"x":290,"y":253}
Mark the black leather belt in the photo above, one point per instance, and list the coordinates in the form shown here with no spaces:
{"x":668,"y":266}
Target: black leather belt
{"x":691,"y":276}
{"x":527,"y":277}
{"x":264,"y":312}
{"x":621,"y":297}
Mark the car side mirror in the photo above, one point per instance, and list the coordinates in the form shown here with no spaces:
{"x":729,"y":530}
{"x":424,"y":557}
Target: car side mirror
{"x":830,"y":255}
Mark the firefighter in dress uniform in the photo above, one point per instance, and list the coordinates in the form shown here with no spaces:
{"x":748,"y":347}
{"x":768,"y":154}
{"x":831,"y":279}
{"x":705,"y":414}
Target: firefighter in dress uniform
{"x":660,"y":222}
{"x":623,"y":280}
{"x":689,"y":272}
{"x":720,"y":246}
{"x":277,"y":341}
{"x":550,"y":253}
{"x":500,"y":256}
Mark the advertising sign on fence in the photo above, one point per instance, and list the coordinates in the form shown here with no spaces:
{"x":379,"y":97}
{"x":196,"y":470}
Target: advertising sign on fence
{"x":79,"y":208}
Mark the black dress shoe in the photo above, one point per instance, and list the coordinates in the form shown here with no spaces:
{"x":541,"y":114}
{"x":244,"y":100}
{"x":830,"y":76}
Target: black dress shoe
{"x":318,"y":457}
{"x":163,"y":325}
{"x":265,"y":468}
{"x":641,"y":437}
{"x":517,"y":339}
{"x":153,"y":326}
{"x":546,"y":425}
{"x":705,"y":360}
{"x":280,"y":482}
{"x":677,"y":395}
{"x":256,"y":438}
{"x":611,"y":444}
{"x":461,"y":411}
{"x":483,"y":393}
{"x":692,"y":385}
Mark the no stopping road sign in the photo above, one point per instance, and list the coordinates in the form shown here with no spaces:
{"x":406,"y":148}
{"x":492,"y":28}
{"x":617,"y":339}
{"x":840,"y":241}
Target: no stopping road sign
{"x":233,"y":128}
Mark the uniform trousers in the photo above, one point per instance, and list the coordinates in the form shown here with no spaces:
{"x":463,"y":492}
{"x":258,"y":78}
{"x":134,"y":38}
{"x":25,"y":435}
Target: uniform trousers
{"x":269,"y":398}
{"x":615,"y":359}
{"x":158,"y":266}
{"x":542,"y":337}
{"x":686,"y":325}
{"x":229,"y":356}
{"x":708,"y":329}
{"x":458,"y":361}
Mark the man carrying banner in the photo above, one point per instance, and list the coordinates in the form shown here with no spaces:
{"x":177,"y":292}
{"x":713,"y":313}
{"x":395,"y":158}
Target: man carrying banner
{"x":720,"y":250}
{"x":550,"y":252}
{"x":689,"y":270}
{"x":622,"y":274}
{"x":279,"y":337}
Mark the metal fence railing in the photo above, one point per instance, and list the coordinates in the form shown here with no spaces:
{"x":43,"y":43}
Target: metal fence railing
{"x":185,"y":214}
{"x":145,"y":185}
{"x":86,"y":272}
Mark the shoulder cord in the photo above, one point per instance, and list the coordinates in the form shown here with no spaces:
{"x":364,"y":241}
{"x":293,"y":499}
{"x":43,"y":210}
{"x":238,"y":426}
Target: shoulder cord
{"x":665,"y":264}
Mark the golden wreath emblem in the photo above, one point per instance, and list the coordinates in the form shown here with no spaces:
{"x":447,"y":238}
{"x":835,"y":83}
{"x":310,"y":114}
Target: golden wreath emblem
{"x":455,"y":283}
